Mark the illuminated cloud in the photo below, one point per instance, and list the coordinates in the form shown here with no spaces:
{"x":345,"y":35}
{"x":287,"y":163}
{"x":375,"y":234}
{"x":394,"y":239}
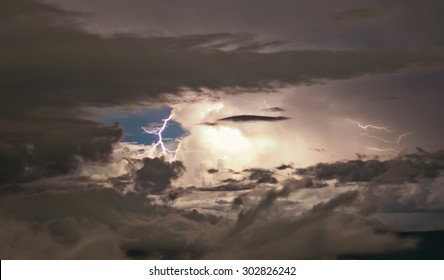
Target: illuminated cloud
{"x":70,"y":68}
{"x":353,"y":80}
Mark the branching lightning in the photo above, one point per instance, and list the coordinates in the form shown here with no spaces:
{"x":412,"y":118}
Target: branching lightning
{"x":397,"y":141}
{"x":367,"y":126}
{"x":383,"y":129}
{"x":158,"y":131}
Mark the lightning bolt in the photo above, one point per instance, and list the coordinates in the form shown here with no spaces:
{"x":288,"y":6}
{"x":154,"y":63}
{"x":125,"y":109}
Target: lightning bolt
{"x":158,"y":131}
{"x":397,"y":141}
{"x":367,"y":126}
{"x":383,"y":129}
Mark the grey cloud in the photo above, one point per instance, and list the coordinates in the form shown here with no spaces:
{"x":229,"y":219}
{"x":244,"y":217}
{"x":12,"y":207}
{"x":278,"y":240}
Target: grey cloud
{"x":302,"y":23}
{"x":406,"y":168}
{"x":158,"y":241}
{"x":156,"y":174}
{"x":253,"y":118}
{"x":364,"y":99}
{"x":343,"y":199}
{"x":238,"y":201}
{"x":70,"y":67}
{"x":209,"y":123}
{"x":305,"y":182}
{"x":102,"y":223}
{"x":230,"y":187}
{"x":318,"y":150}
{"x":90,"y":224}
{"x":51,"y":68}
{"x":350,"y":171}
{"x":246,"y":218}
{"x":314,"y":235}
{"x":212,"y":170}
{"x":231,"y":180}
{"x":357,"y":14}
{"x":423,"y":197}
{"x":35,"y":148}
{"x":273,"y":109}
{"x":261,"y":176}
{"x":257,"y":176}
{"x":305,"y":239}
{"x":284,"y":166}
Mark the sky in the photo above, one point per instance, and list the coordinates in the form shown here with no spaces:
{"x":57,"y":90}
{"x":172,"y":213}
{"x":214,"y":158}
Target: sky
{"x":160,"y":129}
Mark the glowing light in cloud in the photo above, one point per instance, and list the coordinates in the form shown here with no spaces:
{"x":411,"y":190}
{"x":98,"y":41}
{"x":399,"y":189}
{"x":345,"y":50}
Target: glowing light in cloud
{"x":210,"y":108}
{"x":381,"y":150}
{"x":228,"y":143}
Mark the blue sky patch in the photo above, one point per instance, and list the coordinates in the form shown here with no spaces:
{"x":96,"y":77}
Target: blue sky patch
{"x":132,"y":123}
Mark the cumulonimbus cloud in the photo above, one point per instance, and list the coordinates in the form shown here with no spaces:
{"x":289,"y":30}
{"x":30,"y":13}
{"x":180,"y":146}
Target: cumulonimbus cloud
{"x":51,"y":68}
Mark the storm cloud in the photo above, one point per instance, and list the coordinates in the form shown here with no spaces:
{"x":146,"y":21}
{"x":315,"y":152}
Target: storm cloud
{"x":253,"y":118}
{"x":103,"y":224}
{"x":51,"y":67}
{"x":284,"y":186}
{"x":404,"y":169}
{"x":156,"y":174}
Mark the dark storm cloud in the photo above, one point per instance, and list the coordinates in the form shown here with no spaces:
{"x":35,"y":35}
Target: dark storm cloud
{"x":256,"y":177}
{"x":425,"y":197}
{"x":71,"y":67}
{"x":105,"y":224}
{"x":212,"y":170}
{"x":156,"y":174}
{"x":260,"y":235}
{"x":34,"y":148}
{"x":209,"y":123}
{"x":94,"y":224}
{"x":50,"y":68}
{"x":102,"y":223}
{"x":253,"y":118}
{"x":341,"y":200}
{"x":284,"y":166}
{"x":231,"y":187}
{"x":305,"y":23}
{"x":273,"y":109}
{"x":261,"y":176}
{"x":246,"y":218}
{"x":350,"y":171}
{"x":403,"y":169}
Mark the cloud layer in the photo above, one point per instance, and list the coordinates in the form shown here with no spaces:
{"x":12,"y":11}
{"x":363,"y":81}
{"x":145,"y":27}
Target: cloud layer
{"x":272,"y":219}
{"x":70,"y":189}
{"x":51,"y":68}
